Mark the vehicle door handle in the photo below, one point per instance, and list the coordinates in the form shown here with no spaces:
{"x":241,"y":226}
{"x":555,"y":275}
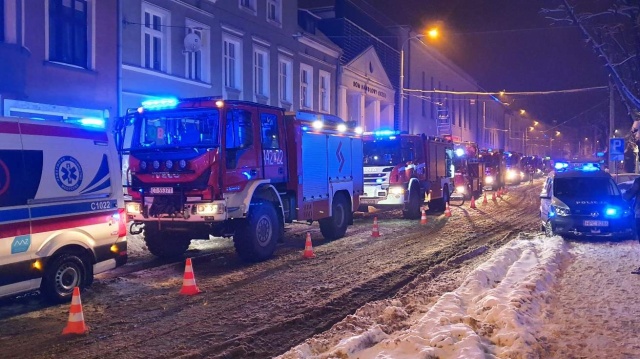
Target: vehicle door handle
{"x":253,"y":172}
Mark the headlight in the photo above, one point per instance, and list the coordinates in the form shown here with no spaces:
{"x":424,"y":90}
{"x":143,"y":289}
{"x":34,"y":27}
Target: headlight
{"x":521,"y":175}
{"x":560,"y":211}
{"x":396,"y":190}
{"x":488,"y":180}
{"x":207,"y":209}
{"x":461,"y":189}
{"x":182,"y":164}
{"x":156,"y":164}
{"x":168,"y":164}
{"x":511,"y":174}
{"x":143,"y":165}
{"x":133,"y":208}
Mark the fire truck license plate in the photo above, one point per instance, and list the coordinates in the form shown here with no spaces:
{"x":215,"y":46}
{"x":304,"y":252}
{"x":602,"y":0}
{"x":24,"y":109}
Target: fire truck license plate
{"x":588,"y":223}
{"x":368,"y":200}
{"x":161,"y":190}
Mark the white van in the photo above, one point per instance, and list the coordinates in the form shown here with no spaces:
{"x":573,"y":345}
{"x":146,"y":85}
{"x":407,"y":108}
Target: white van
{"x":62,"y":216}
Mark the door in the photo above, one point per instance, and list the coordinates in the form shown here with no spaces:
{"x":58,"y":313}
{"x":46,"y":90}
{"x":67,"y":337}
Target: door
{"x":242,"y":153}
{"x":272,"y":139}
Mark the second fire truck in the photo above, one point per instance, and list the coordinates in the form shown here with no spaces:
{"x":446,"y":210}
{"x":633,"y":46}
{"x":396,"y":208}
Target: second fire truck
{"x":206,"y":166}
{"x":404,"y":171}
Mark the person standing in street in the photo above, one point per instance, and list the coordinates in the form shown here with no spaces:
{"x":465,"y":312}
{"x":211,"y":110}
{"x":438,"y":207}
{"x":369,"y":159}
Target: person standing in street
{"x":633,"y":195}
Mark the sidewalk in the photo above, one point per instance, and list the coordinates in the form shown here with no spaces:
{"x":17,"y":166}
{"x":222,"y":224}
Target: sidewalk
{"x":536,"y":297}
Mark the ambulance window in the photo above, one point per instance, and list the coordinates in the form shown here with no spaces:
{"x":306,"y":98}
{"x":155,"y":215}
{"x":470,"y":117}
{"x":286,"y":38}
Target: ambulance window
{"x":239,"y":134}
{"x":270,"y":138}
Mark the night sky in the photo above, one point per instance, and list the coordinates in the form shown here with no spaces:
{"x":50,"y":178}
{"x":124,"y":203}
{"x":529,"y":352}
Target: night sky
{"x":508,"y":45}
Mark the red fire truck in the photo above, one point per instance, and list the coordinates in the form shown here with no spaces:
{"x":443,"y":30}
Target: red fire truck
{"x":403,"y":171}
{"x":205,"y":166}
{"x":514,"y":172}
{"x":469,"y":171}
{"x":495,"y":169}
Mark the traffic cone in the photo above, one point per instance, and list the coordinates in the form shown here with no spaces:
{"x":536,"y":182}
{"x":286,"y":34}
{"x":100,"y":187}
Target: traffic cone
{"x":484,"y":201}
{"x":493,"y":196}
{"x":75,"y":324}
{"x":376,"y":230}
{"x":423,"y":219}
{"x":447,"y":211}
{"x":500,"y":193}
{"x":189,"y":286}
{"x":473,"y":203}
{"x":308,"y":248}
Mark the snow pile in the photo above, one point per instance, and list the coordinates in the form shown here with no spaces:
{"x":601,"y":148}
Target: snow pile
{"x":496,"y":312}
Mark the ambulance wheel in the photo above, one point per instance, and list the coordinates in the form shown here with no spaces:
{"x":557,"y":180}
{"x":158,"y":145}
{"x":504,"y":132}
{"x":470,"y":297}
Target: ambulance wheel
{"x":63,"y":273}
{"x":257,"y":236}
{"x":165,"y":244}
{"x":335,"y":226}
{"x":412,"y":209}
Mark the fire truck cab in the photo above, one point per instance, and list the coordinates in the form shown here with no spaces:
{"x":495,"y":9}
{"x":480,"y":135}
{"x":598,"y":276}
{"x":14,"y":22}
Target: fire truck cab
{"x":495,"y":169}
{"x":206,"y":166}
{"x":469,"y":171}
{"x":404,"y":171}
{"x":513,"y":165}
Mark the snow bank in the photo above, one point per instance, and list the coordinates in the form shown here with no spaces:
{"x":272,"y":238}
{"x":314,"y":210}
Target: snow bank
{"x":494,"y":313}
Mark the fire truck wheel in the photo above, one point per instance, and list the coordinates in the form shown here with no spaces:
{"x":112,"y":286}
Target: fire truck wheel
{"x":412,"y":209}
{"x":65,"y":272}
{"x":335,"y":226}
{"x":256,"y":238}
{"x":440,"y":204}
{"x":165,"y":244}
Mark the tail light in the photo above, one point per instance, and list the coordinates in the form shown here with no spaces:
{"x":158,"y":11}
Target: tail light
{"x":121,"y":217}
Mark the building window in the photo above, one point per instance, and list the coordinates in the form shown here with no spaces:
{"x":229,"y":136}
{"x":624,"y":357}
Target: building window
{"x":285,"y":85}
{"x":325,"y":91}
{"x":68,"y":32}
{"x":249,"y":5}
{"x":261,"y":72}
{"x":274,"y":11}
{"x":231,"y":62}
{"x":2,"y":21}
{"x":306,"y":86}
{"x":154,"y":37}
{"x":197,"y":63}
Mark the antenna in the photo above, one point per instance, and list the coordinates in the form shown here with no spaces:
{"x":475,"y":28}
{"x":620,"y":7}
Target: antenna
{"x":192,"y":42}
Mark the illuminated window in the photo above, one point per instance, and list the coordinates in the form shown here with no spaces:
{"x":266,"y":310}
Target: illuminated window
{"x":285,"y":84}
{"x":274,"y":11}
{"x":67,"y":32}
{"x":154,"y":37}
{"x":306,"y":86}
{"x":325,"y":91}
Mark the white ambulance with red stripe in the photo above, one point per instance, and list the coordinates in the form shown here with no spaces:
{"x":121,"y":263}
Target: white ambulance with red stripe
{"x":62,"y":216}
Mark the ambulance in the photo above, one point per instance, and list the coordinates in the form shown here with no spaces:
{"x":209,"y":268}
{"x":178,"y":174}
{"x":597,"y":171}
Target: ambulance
{"x":62,"y":216}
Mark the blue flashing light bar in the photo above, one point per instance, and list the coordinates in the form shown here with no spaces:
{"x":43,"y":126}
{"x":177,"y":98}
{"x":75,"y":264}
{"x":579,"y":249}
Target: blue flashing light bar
{"x":585,"y":167}
{"x":382,"y":133}
{"x":161,"y":103}
{"x":92,"y":122}
{"x":560,"y":165}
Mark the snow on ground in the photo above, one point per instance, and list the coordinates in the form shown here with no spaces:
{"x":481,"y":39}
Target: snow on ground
{"x":534,"y":297}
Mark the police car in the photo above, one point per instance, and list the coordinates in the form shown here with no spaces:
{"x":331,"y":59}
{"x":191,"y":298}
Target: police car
{"x":580,"y":200}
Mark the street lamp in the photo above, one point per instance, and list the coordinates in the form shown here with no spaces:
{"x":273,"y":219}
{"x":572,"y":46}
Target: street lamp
{"x":406,"y":41}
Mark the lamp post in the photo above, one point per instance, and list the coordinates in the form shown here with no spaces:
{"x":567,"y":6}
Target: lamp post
{"x":406,"y":41}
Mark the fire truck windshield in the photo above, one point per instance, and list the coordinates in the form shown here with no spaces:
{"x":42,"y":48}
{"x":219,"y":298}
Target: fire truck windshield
{"x":381,"y":153}
{"x":177,"y":129}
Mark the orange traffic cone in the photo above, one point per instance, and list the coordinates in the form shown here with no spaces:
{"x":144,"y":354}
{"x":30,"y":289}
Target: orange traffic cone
{"x":493,"y":196}
{"x":500,"y":192}
{"x":447,"y":211}
{"x":308,"y":248}
{"x":423,"y":219}
{"x":484,"y":201}
{"x":376,"y":230}
{"x":189,"y":286}
{"x":75,"y":324}
{"x":473,"y":203}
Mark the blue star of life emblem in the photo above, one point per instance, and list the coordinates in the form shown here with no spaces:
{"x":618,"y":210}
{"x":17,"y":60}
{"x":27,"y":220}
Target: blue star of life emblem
{"x":68,"y":173}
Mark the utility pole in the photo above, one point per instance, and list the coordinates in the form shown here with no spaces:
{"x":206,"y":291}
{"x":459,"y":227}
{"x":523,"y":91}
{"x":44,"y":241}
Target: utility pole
{"x":612,"y":130}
